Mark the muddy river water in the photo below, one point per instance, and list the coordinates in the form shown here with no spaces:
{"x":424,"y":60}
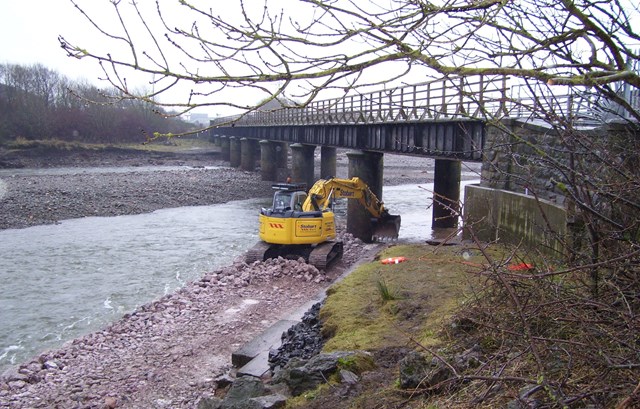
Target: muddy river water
{"x":65,"y":280}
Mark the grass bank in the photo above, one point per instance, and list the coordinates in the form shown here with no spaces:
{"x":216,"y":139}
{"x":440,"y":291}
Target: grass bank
{"x":515,"y":330}
{"x":389,"y":309}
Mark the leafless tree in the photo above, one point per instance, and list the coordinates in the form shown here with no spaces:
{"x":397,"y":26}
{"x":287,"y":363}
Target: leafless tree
{"x":307,"y":48}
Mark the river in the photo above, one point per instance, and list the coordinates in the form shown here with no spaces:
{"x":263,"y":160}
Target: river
{"x":65,"y":280}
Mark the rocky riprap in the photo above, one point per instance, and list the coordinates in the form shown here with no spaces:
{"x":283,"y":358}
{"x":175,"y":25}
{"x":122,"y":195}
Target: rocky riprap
{"x":297,"y":377}
{"x":303,"y":340}
{"x":240,"y":274}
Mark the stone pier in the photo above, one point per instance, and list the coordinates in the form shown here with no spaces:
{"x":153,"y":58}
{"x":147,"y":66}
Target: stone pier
{"x":268,"y":163}
{"x":248,"y":154}
{"x":368,"y":166}
{"x":282,"y":155}
{"x":327,"y":162}
{"x":225,"y":152}
{"x":302,"y":161}
{"x":234,"y":151}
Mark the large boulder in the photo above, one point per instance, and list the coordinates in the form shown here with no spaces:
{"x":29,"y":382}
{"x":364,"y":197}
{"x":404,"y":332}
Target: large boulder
{"x":417,"y":371}
{"x":244,"y":388}
{"x":302,"y":375}
{"x":246,"y":392}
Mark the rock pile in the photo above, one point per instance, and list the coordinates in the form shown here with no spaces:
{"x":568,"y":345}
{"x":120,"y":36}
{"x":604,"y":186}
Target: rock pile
{"x":302,"y":340}
{"x":239,"y":274}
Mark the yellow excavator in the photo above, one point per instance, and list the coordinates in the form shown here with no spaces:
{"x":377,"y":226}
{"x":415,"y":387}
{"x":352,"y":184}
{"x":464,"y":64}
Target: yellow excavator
{"x":303,"y":225}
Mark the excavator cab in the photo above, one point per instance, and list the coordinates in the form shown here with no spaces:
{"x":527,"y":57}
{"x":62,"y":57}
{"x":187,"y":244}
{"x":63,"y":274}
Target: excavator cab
{"x":287,"y":200}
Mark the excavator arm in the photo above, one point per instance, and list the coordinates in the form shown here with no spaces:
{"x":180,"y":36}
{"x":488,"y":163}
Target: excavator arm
{"x":323,"y":192}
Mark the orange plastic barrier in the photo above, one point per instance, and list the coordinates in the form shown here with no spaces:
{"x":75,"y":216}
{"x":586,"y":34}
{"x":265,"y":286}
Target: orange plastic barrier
{"x":393,"y":260}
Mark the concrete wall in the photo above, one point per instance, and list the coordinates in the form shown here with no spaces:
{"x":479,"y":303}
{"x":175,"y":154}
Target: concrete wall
{"x":514,"y":218}
{"x":514,"y":159}
{"x":524,"y":160}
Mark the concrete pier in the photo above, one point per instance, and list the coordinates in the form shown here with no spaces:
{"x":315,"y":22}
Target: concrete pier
{"x":327,"y":162}
{"x":282,"y":155}
{"x":446,"y":193}
{"x":302,"y":161}
{"x":248,"y":154}
{"x":234,"y":151}
{"x":225,"y":153}
{"x":268,"y":164}
{"x":368,"y":166}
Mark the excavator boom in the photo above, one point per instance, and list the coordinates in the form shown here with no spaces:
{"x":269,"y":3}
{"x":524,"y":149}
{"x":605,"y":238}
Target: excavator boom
{"x":323,"y":192}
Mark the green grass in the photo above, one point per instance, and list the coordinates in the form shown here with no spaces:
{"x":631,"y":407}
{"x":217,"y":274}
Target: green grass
{"x":380,"y":305}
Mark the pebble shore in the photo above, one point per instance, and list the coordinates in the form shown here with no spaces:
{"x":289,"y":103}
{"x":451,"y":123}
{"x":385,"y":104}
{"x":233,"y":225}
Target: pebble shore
{"x":33,"y":200}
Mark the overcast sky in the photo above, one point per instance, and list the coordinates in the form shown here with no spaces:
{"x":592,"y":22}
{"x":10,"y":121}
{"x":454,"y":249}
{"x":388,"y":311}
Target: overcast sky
{"x":29,"y":31}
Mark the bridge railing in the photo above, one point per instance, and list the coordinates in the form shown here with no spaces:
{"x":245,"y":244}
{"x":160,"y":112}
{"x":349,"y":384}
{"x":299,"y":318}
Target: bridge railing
{"x":476,"y":97}
{"x":576,"y":105}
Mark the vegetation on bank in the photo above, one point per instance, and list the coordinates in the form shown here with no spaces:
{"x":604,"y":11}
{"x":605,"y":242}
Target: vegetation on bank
{"x":40,"y":103}
{"x":533,"y":340}
{"x":160,"y":145}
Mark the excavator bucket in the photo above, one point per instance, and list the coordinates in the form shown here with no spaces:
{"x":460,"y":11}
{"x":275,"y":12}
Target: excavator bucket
{"x":386,"y":227}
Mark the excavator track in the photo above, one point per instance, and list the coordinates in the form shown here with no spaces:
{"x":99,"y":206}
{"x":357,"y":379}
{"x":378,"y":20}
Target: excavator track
{"x":257,"y":252}
{"x":324,"y":253}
